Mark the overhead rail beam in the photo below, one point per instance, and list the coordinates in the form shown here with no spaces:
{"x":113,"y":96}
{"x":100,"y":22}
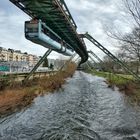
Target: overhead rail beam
{"x":114,"y":58}
{"x":63,"y":4}
{"x":55,"y":14}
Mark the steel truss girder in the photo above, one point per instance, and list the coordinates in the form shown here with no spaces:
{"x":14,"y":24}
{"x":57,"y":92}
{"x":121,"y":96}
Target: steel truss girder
{"x":59,"y":13}
{"x":115,"y":59}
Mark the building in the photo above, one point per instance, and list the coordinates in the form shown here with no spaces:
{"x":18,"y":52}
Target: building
{"x":30,"y":59}
{"x":17,"y":61}
{"x":24,"y":57}
{"x":57,"y":63}
{"x":3,"y":54}
{"x":17,"y":58}
{"x":35,"y":59}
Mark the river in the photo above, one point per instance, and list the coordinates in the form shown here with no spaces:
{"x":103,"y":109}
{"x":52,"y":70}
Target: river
{"x":84,"y":109}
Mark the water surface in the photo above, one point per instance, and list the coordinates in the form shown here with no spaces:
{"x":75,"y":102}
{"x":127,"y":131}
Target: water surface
{"x":84,"y":109}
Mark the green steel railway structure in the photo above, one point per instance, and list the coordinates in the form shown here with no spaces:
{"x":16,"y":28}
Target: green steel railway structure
{"x":55,"y":14}
{"x":53,"y":27}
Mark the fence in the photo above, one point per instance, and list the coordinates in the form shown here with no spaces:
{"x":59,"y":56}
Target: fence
{"x":20,"y":76}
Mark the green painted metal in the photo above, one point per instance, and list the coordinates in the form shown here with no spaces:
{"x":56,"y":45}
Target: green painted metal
{"x":93,"y":54}
{"x":107,"y":52}
{"x":55,"y":14}
{"x":94,"y":62}
{"x":67,"y":62}
{"x":37,"y":65}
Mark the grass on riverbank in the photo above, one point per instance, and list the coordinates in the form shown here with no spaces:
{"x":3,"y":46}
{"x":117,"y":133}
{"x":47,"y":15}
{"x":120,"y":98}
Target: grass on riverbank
{"x":125,"y":83}
{"x":16,"y":97}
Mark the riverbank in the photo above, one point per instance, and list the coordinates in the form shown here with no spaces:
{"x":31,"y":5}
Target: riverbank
{"x":86,"y":109}
{"x":125,"y":83}
{"x":17,"y":96}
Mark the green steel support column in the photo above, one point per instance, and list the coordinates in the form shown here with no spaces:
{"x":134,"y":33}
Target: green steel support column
{"x":115,"y":59}
{"x":56,"y":15}
{"x":76,"y":59}
{"x":37,"y":65}
{"x":93,"y":60}
{"x":89,"y":65}
{"x":94,"y":55}
{"x":68,"y":61}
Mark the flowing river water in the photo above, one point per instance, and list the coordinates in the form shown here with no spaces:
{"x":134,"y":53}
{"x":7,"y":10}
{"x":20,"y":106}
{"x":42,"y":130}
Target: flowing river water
{"x":84,"y":109}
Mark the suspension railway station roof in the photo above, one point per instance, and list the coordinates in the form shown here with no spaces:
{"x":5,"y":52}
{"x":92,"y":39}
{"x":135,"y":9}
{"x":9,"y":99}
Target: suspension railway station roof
{"x":56,"y":15}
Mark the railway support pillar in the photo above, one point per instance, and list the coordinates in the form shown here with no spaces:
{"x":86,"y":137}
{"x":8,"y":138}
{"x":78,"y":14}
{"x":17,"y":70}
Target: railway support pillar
{"x":67,"y":62}
{"x":37,"y":65}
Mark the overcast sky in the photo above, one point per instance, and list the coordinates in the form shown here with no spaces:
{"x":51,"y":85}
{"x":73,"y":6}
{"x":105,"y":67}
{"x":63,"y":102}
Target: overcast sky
{"x":90,"y":15}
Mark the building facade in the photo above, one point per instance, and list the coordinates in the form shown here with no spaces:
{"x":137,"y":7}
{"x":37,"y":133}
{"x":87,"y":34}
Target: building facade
{"x":56,"y":63}
{"x":18,"y":61}
{"x":7,"y":55}
{"x":3,"y":54}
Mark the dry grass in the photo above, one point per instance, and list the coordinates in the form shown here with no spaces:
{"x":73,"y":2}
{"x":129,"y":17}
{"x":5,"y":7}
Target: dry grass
{"x":132,"y":90}
{"x":55,"y":81}
{"x":15,"y":97}
{"x":13,"y":100}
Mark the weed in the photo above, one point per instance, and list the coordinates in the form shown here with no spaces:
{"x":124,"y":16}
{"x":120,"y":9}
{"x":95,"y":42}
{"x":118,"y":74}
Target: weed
{"x":16,"y":96}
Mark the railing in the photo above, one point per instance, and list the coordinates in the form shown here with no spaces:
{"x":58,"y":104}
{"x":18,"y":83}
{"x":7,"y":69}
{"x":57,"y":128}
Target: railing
{"x":21,"y":76}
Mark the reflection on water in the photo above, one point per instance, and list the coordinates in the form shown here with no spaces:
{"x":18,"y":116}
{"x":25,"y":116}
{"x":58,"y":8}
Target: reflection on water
{"x":85,"y":109}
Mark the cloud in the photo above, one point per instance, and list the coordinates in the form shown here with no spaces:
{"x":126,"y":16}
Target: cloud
{"x":12,"y":31}
{"x":90,"y":15}
{"x":95,"y":16}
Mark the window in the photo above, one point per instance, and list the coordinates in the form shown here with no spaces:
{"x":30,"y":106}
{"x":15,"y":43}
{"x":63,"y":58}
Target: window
{"x":31,"y":27}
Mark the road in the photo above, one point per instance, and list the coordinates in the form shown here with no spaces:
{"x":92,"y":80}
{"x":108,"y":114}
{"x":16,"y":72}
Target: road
{"x":84,"y":109}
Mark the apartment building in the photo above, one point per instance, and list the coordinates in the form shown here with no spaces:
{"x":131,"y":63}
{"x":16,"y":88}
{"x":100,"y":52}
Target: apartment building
{"x":17,"y":60}
{"x":11,"y":55}
{"x":3,"y":54}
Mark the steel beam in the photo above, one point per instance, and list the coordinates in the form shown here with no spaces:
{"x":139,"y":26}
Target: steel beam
{"x":93,"y":61}
{"x":37,"y":65}
{"x":56,"y":15}
{"x":107,"y":52}
{"x":89,"y":65}
{"x":76,"y":59}
{"x":92,"y":53}
{"x":68,"y":61}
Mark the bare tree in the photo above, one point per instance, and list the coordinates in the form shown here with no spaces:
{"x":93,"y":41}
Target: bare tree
{"x":133,"y":8}
{"x":130,"y":43}
{"x":130,"y":46}
{"x":108,"y":64}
